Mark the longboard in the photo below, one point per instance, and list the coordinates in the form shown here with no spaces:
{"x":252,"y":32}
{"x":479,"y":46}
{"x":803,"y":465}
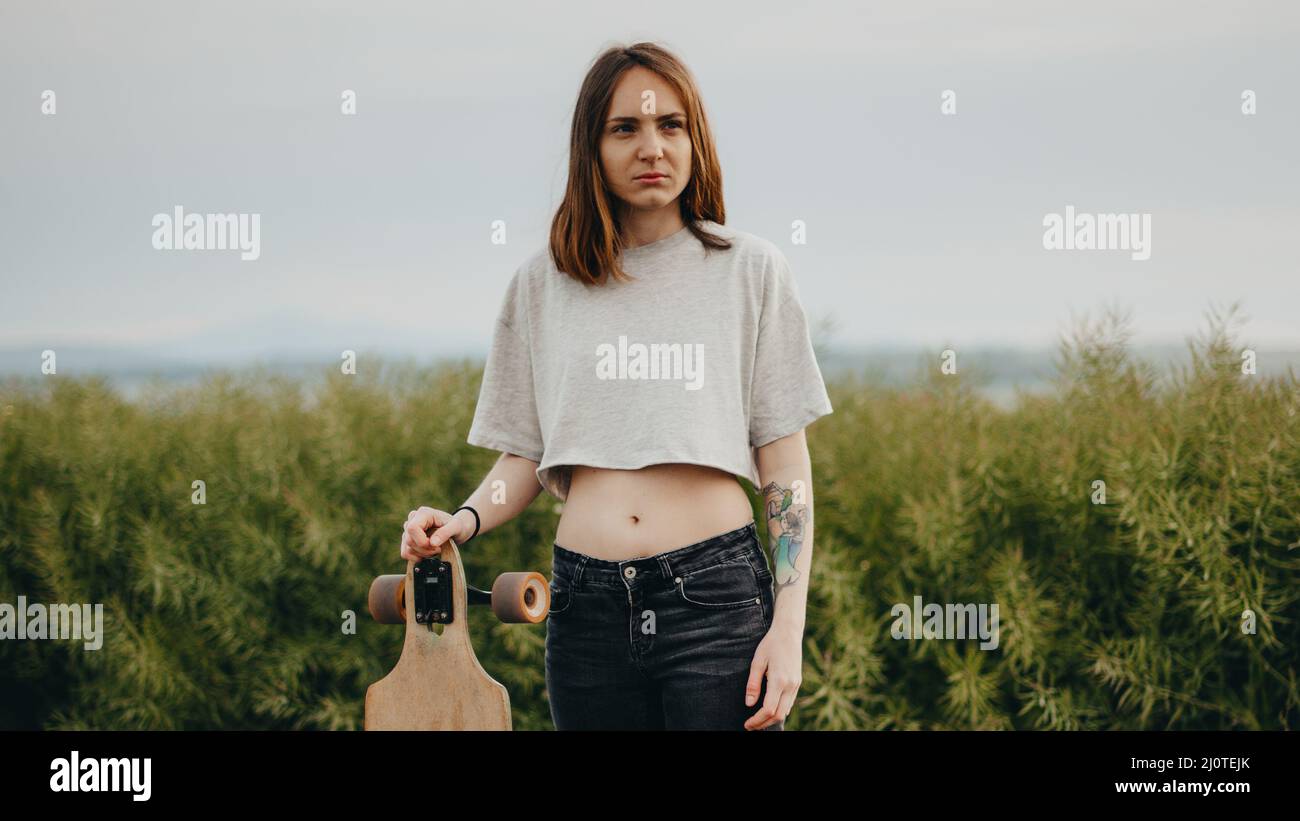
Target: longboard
{"x":438,"y":683}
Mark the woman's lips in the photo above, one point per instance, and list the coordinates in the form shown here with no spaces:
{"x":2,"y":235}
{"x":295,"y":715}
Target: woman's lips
{"x":651,"y":178}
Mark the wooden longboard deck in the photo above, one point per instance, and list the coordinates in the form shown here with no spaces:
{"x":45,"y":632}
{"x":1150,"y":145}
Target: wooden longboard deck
{"x":438,"y":683}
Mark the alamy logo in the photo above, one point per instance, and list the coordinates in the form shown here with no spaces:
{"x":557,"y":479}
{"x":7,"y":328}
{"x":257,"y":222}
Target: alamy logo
{"x":179,"y":231}
{"x":55,"y":621}
{"x":963,"y":621}
{"x":654,"y":361}
{"x":1103,"y":232}
{"x":74,"y":774}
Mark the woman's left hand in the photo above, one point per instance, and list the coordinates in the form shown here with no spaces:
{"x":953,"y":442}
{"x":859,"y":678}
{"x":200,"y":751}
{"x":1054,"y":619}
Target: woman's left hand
{"x":780,"y":657}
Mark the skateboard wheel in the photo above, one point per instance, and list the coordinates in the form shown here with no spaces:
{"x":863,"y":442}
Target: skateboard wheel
{"x":521,"y":597}
{"x":388,"y":599}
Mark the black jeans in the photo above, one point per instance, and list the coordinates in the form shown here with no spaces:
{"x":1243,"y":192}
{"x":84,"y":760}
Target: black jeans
{"x":663,"y":642}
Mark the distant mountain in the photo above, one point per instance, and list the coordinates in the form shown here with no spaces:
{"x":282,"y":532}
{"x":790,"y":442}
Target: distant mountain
{"x":273,"y":337}
{"x":291,"y":345}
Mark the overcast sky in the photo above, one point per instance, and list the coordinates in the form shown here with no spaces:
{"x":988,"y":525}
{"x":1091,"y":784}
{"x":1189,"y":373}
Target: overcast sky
{"x":376,"y":228}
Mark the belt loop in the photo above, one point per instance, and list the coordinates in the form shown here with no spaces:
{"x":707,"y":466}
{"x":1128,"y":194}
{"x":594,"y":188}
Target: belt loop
{"x":756,"y":545}
{"x":577,"y":571}
{"x":664,"y":567}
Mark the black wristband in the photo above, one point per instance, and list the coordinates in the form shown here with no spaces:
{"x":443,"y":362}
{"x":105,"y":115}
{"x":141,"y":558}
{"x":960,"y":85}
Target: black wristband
{"x":477,"y":523}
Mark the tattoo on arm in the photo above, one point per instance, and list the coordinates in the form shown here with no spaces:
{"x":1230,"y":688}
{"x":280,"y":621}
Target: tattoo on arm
{"x":785,"y":531}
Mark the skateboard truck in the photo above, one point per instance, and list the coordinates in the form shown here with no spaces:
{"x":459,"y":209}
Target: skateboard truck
{"x":433,"y":602}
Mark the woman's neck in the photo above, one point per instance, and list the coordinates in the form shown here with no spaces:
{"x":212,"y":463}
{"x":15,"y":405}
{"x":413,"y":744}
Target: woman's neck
{"x":643,"y":228}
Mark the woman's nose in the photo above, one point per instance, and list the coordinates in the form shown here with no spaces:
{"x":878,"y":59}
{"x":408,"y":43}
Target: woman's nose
{"x":652,"y":148}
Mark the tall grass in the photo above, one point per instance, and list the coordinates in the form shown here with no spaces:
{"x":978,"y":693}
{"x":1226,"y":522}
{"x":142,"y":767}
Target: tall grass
{"x":230,"y":614}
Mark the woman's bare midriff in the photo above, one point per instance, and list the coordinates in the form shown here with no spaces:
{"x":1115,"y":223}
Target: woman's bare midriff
{"x":630,"y":514}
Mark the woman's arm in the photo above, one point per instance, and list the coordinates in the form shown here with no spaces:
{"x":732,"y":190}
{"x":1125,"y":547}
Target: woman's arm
{"x":786,"y":473}
{"x":507,"y":490}
{"x":785,"y":469}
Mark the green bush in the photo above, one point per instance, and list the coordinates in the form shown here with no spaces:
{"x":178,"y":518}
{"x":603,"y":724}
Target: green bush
{"x":1122,"y":615}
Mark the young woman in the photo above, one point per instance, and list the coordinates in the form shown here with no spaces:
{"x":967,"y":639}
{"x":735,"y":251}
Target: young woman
{"x":639,"y":364}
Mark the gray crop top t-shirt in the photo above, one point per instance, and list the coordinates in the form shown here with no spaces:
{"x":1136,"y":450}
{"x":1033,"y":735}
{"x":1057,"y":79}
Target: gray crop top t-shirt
{"x":700,"y":360}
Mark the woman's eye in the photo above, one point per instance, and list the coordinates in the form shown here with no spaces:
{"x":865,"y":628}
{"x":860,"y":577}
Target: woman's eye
{"x":619,"y":128}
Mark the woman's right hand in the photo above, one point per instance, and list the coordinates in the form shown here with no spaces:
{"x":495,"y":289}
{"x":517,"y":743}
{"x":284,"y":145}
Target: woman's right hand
{"x":420,"y":539}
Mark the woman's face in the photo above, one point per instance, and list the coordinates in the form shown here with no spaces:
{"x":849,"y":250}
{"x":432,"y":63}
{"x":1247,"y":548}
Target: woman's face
{"x":645,"y":133}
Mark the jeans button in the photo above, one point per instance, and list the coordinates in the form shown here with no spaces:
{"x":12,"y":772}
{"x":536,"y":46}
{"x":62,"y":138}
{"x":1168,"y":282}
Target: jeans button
{"x":629,"y":572}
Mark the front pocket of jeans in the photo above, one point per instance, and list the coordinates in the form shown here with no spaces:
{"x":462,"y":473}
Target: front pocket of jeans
{"x":723,"y":586}
{"x":561,"y":600}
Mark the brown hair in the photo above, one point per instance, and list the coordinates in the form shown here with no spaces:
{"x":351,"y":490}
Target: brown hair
{"x":586,"y":234}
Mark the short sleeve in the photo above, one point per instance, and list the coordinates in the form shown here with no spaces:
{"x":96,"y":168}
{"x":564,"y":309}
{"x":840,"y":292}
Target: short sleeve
{"x":787,"y":391}
{"x":505,"y":417}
